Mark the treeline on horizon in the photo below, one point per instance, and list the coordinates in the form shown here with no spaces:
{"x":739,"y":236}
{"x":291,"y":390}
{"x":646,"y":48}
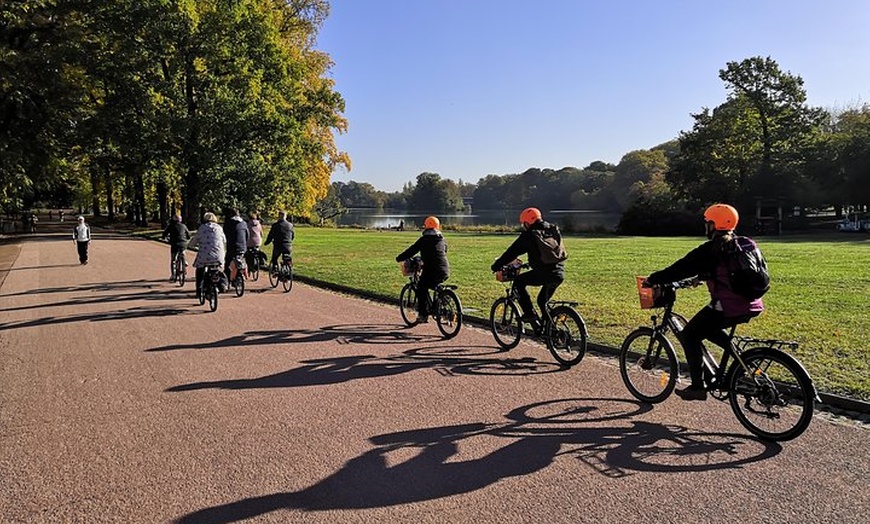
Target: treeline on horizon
{"x":762,"y":146}
{"x":131,"y":107}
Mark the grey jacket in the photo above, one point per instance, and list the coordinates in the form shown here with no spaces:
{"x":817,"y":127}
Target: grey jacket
{"x":212,"y":245}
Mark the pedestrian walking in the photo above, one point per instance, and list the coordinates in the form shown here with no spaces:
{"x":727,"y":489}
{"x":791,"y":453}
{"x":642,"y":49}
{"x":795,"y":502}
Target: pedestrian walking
{"x":82,"y":239}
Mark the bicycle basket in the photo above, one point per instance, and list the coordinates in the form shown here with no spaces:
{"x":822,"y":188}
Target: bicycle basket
{"x":652,"y":297}
{"x":411,"y":266}
{"x":509,"y":272}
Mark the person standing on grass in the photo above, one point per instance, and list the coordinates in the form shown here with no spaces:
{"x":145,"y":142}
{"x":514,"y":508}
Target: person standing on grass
{"x":433,"y":252}
{"x":82,"y":239}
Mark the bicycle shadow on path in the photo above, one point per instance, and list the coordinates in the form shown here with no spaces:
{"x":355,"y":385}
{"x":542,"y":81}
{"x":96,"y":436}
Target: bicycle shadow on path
{"x":420,"y":465}
{"x":341,"y":334}
{"x":336,"y":370}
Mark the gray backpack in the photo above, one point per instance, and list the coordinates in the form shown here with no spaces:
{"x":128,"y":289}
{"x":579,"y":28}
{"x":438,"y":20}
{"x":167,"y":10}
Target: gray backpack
{"x":550,"y":244}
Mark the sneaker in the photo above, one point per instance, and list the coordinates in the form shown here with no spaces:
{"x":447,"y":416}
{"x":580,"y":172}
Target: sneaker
{"x":692,"y":393}
{"x":424,"y":319}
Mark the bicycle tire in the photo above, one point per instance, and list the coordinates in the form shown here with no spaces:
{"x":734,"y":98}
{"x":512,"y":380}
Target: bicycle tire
{"x":780,"y":392}
{"x":566,"y":336}
{"x":287,"y":278}
{"x":180,"y":270}
{"x":505,"y":323}
{"x":448,"y":313}
{"x":213,"y":300}
{"x":239,"y":285}
{"x":649,"y":368}
{"x":200,"y":295}
{"x":274,"y":277}
{"x":408,"y":305}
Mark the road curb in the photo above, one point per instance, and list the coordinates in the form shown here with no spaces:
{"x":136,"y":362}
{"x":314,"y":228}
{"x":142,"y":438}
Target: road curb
{"x":836,"y":404}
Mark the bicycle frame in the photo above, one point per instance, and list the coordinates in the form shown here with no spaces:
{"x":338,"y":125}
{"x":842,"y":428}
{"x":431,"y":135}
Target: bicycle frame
{"x":714,"y":373}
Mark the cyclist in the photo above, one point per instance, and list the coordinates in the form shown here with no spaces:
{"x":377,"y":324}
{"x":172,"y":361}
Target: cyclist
{"x":212,"y":247}
{"x":547,"y":275}
{"x":178,"y":235}
{"x":433,"y":251}
{"x":282,"y":234}
{"x":236,"y":233}
{"x":255,"y":236}
{"x":726,"y":308}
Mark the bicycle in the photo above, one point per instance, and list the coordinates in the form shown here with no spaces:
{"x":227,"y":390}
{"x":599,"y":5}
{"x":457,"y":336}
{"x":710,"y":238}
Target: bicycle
{"x":237,"y":266}
{"x":282,"y":273}
{"x":562,"y":329}
{"x":255,"y":259}
{"x":769,"y":391}
{"x":444,"y":305}
{"x":179,"y":269}
{"x":209,"y":289}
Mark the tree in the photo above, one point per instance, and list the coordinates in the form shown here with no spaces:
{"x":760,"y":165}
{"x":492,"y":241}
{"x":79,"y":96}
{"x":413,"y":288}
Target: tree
{"x":431,"y":194}
{"x":752,"y":145}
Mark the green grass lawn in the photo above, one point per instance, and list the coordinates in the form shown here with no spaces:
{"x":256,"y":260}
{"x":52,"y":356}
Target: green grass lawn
{"x":820,"y":295}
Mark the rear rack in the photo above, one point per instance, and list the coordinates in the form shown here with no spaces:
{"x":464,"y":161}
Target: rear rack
{"x":743,"y":343}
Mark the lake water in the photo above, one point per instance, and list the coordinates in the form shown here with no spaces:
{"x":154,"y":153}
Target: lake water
{"x":386,"y":218}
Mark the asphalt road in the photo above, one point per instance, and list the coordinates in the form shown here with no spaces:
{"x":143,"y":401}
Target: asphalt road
{"x":123,"y":400}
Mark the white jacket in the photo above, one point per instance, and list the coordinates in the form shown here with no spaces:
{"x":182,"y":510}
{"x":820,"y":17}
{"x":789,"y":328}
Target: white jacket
{"x":82,"y":233}
{"x":212,"y":245}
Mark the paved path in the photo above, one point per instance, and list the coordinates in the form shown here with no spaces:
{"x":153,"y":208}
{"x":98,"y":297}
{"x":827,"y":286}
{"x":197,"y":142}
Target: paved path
{"x":121,"y":400}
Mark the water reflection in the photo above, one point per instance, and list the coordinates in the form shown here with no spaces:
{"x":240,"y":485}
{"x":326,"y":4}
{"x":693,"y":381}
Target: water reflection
{"x":392,"y":218}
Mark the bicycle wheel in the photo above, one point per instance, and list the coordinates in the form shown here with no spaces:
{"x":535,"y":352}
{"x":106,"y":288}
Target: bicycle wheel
{"x":648,"y":365}
{"x":287,"y":277}
{"x":566,"y":336}
{"x":180,"y":270}
{"x":274,"y":276}
{"x":200,"y":295}
{"x":254,"y":268}
{"x":239,"y":285}
{"x":408,"y":304}
{"x":212,"y":298}
{"x":775,"y":400}
{"x":505,"y":324}
{"x":448,"y":313}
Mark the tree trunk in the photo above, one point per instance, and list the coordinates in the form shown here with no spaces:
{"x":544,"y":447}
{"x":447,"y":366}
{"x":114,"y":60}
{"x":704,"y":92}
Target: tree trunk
{"x":110,"y":193}
{"x":95,"y":192}
{"x":140,"y":200}
{"x":162,"y":200}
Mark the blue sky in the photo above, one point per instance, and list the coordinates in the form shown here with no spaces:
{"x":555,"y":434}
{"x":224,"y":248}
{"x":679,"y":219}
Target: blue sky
{"x":466,"y":88}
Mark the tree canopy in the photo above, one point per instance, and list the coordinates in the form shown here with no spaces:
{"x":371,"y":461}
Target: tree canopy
{"x":194,"y":103}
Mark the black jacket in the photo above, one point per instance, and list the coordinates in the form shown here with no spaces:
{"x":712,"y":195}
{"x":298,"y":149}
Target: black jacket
{"x":707,"y":263}
{"x":282,"y":234}
{"x":236,"y":231}
{"x":526,"y":244}
{"x":433,"y":251}
{"x":177,"y":233}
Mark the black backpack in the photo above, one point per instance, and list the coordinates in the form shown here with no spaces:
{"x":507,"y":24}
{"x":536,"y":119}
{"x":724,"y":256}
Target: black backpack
{"x":550,"y":244}
{"x":747,"y":269}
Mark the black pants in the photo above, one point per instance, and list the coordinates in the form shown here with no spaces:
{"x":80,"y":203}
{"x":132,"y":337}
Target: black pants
{"x":173,"y":251}
{"x":549,"y":281}
{"x":426,"y":283}
{"x":277,"y":252}
{"x":82,"y":248}
{"x":707,"y":324}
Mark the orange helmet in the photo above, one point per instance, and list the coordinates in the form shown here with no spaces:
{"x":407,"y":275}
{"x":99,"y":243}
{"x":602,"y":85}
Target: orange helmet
{"x":530,"y":215}
{"x":432,"y":223}
{"x":723,"y":217}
